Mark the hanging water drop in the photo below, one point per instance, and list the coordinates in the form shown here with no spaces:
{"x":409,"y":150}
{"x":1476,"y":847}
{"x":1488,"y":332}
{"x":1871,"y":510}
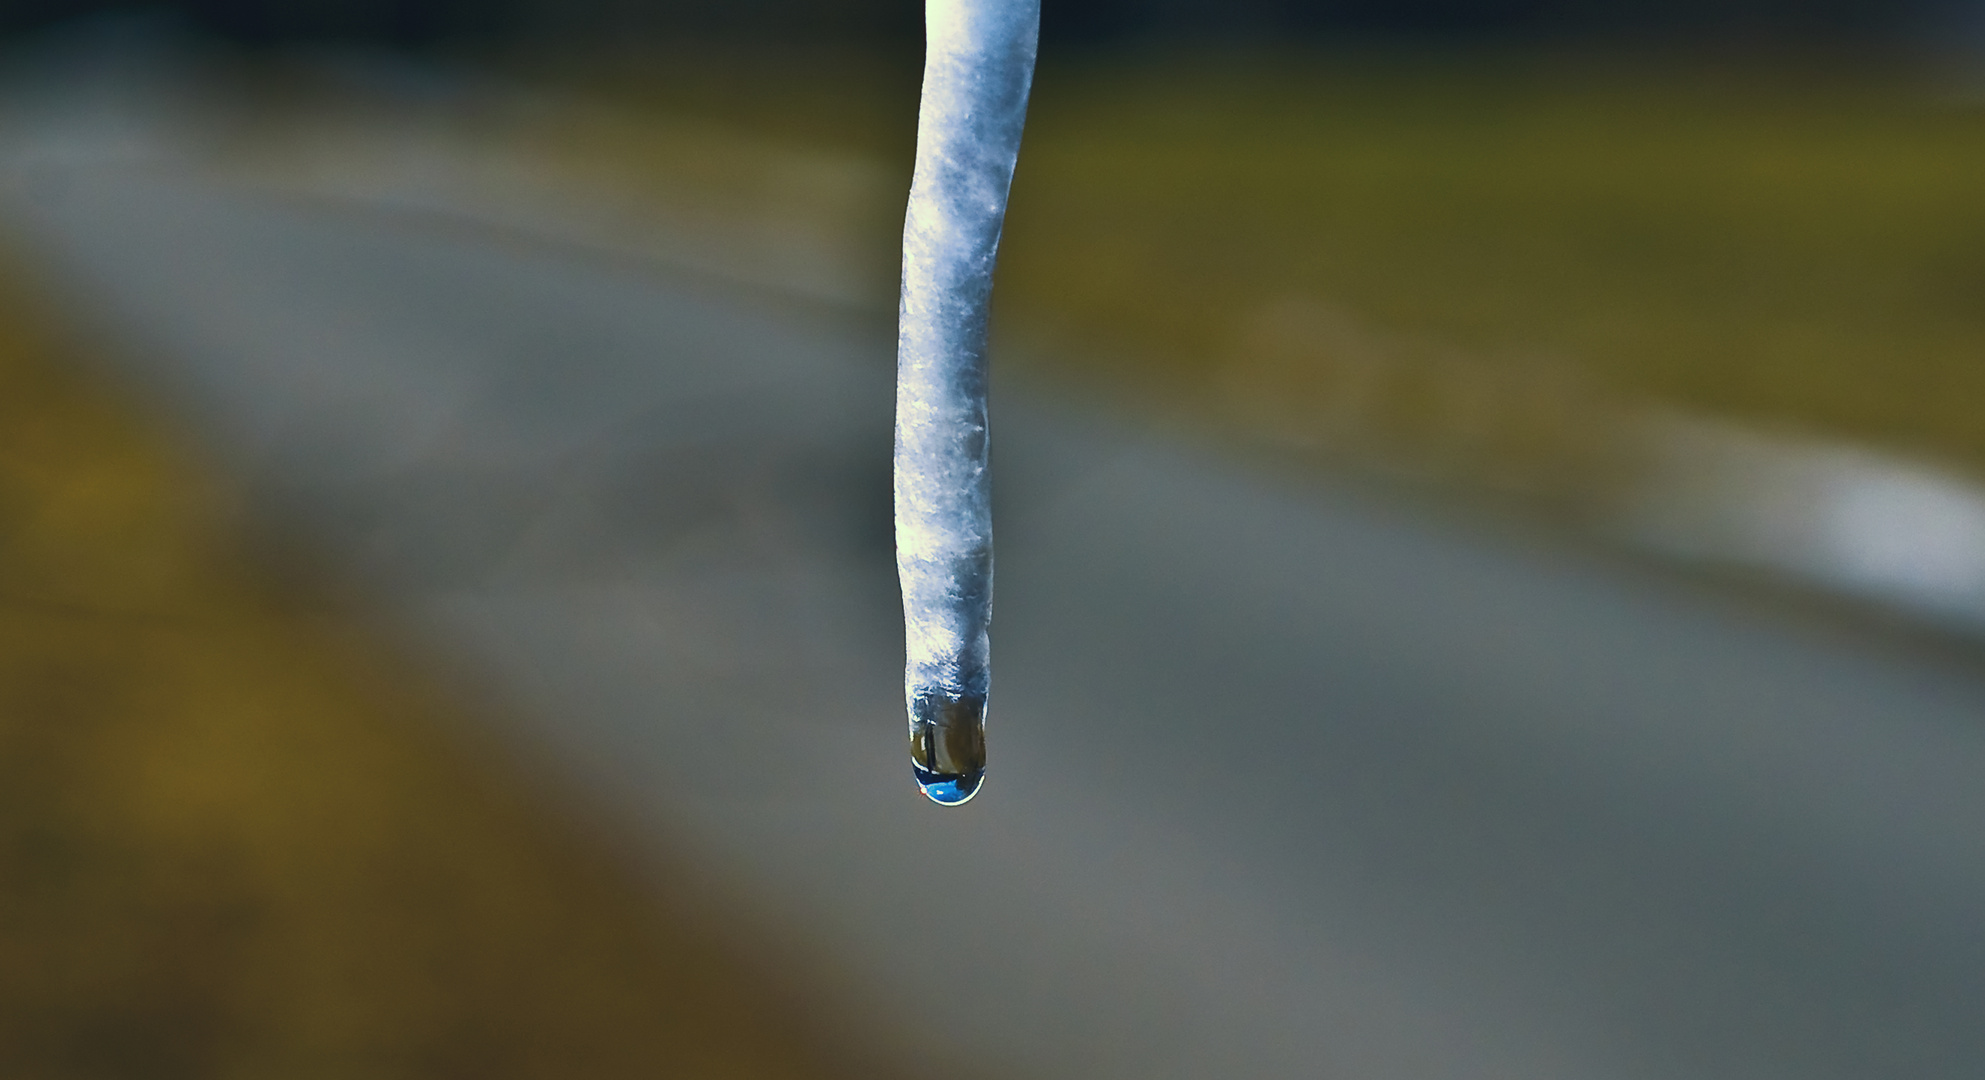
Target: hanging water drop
{"x":948,"y":746}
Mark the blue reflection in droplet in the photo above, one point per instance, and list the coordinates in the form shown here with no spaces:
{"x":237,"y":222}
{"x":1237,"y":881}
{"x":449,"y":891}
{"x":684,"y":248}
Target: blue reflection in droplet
{"x":948,"y":790}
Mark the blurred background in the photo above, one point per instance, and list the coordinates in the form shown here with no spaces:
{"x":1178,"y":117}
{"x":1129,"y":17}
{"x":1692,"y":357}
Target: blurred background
{"x":1493,"y":544}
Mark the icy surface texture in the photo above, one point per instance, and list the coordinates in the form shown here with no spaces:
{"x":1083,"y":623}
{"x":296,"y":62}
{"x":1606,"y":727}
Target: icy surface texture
{"x":978,"y":64}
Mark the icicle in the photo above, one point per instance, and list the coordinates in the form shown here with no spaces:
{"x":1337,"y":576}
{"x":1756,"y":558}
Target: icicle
{"x":978,"y":65}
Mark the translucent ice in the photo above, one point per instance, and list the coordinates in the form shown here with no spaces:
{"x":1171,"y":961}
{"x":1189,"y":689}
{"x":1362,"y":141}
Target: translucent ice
{"x":978,"y":65}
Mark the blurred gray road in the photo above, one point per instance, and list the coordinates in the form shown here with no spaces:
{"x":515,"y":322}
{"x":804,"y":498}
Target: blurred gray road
{"x":1287,"y":781}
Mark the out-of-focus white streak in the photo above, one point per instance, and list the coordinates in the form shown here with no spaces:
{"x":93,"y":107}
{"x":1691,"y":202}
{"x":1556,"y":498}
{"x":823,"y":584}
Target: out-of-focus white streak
{"x":1846,"y":519}
{"x":979,"y":63}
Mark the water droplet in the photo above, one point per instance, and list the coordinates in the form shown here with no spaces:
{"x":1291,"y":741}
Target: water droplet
{"x":948,"y":746}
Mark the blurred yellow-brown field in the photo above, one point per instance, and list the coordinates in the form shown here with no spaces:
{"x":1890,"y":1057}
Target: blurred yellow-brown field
{"x":239,"y":839}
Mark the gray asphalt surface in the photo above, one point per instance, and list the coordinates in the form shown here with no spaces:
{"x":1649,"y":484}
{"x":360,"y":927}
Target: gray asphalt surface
{"x":1287,"y":780}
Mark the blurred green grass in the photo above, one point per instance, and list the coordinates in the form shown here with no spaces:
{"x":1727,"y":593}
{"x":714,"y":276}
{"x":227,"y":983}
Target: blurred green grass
{"x":1475,"y":255}
{"x":1792,"y":247}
